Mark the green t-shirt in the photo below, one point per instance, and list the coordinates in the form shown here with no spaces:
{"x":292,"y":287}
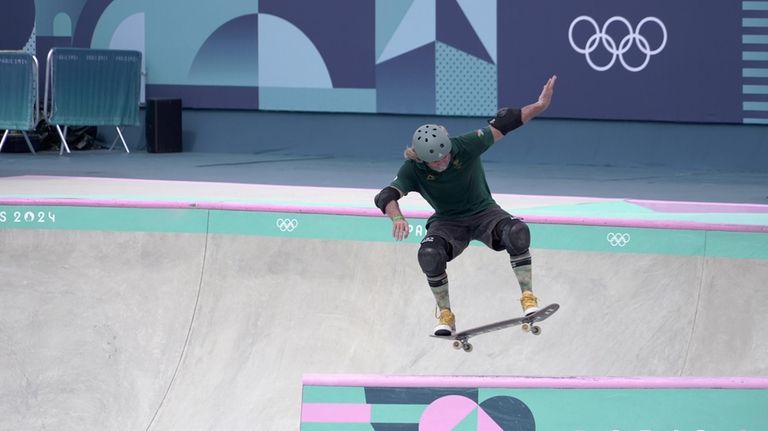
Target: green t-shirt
{"x":461,"y":189}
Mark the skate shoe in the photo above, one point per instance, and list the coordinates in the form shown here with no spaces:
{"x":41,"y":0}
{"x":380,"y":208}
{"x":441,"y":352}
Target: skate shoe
{"x":446,"y":325}
{"x":530,"y":303}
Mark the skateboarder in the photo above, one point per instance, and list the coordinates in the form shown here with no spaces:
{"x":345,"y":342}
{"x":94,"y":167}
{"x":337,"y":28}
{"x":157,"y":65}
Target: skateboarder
{"x":449,"y":175}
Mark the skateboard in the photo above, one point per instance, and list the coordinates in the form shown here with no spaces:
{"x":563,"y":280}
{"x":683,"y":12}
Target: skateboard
{"x":527,"y":323}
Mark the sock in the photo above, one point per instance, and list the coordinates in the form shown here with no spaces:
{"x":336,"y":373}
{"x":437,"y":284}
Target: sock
{"x":439,"y":287}
{"x":521,"y":264}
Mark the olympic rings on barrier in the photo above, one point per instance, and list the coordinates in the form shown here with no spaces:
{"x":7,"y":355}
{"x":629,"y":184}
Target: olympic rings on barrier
{"x":287,"y":224}
{"x":633,"y":38}
{"x":618,"y":239}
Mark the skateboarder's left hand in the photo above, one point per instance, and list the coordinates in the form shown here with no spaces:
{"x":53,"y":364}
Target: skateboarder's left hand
{"x":400,"y":228}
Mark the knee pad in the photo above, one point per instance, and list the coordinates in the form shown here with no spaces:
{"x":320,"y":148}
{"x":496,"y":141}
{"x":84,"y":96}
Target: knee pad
{"x":433,"y":255}
{"x":514,"y":236}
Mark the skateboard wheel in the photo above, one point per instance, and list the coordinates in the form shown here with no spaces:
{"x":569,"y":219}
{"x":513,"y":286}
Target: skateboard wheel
{"x":456,"y":345}
{"x":467,"y":347}
{"x":526,"y":327}
{"x":536,"y":330}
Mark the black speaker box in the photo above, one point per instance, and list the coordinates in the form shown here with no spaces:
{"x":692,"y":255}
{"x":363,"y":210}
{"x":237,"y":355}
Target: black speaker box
{"x":163,"y":125}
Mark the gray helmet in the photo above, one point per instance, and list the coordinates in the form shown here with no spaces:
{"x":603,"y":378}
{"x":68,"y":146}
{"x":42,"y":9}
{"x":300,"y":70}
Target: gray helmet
{"x":431,"y":142}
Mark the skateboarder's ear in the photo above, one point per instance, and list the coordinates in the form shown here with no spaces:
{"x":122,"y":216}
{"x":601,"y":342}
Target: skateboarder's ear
{"x":410,"y":154}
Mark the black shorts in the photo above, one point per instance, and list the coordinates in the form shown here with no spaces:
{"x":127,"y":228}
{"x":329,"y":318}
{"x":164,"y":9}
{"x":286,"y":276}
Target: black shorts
{"x":459,"y":232}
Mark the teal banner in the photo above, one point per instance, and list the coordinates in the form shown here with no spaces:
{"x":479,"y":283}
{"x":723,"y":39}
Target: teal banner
{"x":610,"y":239}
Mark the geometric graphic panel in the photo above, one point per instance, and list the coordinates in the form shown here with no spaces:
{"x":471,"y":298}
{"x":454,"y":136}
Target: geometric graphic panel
{"x":617,"y":59}
{"x":484,"y":406}
{"x":481,"y":14}
{"x":454,"y":29}
{"x":406,"y":84}
{"x":230,"y":54}
{"x":87,"y":22}
{"x":465,"y":85}
{"x":508,"y":413}
{"x":416,"y":29}
{"x":341,"y":31}
{"x":754,"y":58}
{"x":389,"y":15}
{"x":447,"y":412}
{"x":287,"y":57}
{"x":624,"y":59}
{"x":459,"y":413}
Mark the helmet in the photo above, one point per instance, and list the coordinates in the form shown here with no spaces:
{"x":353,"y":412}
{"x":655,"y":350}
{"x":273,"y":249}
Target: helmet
{"x":431,"y":142}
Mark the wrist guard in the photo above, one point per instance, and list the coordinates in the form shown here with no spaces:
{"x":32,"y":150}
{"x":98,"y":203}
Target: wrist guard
{"x":385,"y":196}
{"x":507,"y":120}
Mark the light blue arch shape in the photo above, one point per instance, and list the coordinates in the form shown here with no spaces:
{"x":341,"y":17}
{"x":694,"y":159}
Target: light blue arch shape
{"x":288,"y":58}
{"x":173,"y":47}
{"x":46,"y":11}
{"x":131,"y":35}
{"x":120,"y":14}
{"x":62,"y":25}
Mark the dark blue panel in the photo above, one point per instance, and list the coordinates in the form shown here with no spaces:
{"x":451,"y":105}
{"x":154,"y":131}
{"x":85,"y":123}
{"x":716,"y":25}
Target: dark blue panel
{"x":509,"y":413}
{"x":230,"y":53}
{"x":454,"y":29}
{"x":209,"y":97}
{"x":86,"y":23}
{"x":406,"y":84}
{"x":342,"y":30}
{"x":18,"y":22}
{"x":696,"y":77}
{"x":415,"y":396}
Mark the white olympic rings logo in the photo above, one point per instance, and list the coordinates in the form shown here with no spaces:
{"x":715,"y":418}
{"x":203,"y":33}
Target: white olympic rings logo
{"x":632,"y":38}
{"x":618,"y":239}
{"x":287,"y":224}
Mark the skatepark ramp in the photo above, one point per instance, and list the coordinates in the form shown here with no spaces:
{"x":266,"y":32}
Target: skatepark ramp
{"x":194,"y":318}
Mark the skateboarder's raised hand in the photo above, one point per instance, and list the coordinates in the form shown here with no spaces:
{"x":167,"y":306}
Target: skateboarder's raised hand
{"x":449,"y":175}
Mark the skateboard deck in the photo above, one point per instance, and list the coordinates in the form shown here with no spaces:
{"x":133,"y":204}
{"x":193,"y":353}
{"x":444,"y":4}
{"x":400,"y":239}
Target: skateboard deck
{"x":528,"y":324}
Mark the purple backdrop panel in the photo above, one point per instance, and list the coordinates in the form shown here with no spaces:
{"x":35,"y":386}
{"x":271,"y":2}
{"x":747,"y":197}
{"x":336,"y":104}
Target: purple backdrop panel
{"x":343,"y":32}
{"x":624,"y":59}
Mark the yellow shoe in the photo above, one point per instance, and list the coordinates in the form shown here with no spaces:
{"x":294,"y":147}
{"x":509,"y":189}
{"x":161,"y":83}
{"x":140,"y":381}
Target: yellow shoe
{"x":529,"y":302}
{"x":446,"y":325}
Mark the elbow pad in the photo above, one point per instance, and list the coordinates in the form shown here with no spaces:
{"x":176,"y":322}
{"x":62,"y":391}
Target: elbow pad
{"x":507,"y":120}
{"x":385,"y":196}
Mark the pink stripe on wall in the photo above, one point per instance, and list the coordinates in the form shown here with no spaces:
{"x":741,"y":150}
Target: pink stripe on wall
{"x":335,"y":413}
{"x":374,"y":212}
{"x":700,"y":207}
{"x":536,"y":382}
